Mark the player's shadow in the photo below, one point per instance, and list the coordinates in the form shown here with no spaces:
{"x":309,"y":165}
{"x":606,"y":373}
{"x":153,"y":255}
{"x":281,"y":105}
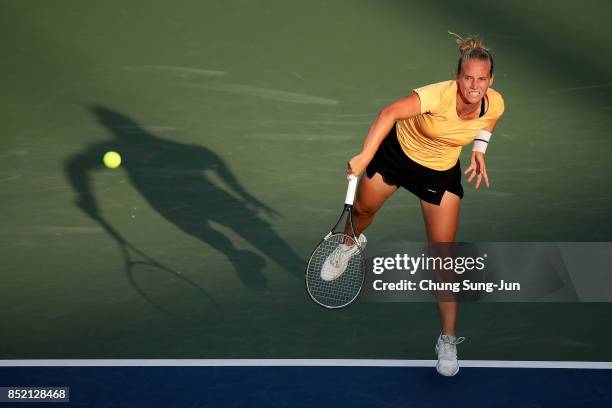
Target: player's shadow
{"x":174,"y":178}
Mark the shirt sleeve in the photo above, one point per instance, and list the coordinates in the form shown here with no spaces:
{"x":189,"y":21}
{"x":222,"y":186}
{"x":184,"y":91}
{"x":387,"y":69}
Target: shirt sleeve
{"x":430,"y":96}
{"x":497,"y":103}
{"x":502,"y":106}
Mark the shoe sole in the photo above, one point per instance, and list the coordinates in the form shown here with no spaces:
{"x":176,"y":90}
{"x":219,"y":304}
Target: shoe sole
{"x":444,"y":375}
{"x":450,"y":375}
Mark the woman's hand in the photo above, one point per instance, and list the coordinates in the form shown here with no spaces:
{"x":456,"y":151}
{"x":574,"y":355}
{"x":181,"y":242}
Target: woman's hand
{"x":357,"y":165}
{"x":478,"y":168}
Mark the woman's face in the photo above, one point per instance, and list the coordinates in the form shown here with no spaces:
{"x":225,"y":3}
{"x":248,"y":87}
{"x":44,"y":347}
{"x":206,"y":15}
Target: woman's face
{"x":474,"y":80}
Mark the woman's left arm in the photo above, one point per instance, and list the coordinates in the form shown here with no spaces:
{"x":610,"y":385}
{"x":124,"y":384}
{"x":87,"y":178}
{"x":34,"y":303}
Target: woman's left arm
{"x":478,"y":166}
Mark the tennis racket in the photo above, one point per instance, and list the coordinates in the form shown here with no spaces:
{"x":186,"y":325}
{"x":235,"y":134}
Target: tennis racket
{"x":336,"y":268}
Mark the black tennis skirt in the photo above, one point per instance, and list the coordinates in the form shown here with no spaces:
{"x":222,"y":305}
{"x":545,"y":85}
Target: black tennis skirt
{"x":398,"y":169}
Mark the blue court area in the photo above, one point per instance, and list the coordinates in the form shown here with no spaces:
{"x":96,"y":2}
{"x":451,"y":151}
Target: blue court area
{"x":303,"y":386}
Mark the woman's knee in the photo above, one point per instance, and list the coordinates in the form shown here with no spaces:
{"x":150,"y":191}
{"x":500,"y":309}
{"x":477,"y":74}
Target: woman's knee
{"x":364,"y":210}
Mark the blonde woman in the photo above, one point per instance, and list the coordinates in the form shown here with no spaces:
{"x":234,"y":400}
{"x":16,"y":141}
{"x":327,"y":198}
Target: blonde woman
{"x":415,"y":143}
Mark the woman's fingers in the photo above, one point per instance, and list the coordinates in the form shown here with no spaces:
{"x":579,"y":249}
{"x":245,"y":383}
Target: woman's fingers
{"x":486,"y":178}
{"x":477,"y":169}
{"x":478,"y":180}
{"x":471,"y":168}
{"x":472,"y":176}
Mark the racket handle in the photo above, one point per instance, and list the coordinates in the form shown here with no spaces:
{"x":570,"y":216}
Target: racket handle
{"x":350,"y":192}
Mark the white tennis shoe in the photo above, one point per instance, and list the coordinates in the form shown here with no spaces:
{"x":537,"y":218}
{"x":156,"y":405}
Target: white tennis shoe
{"x":446,"y":349}
{"x":336,"y":263}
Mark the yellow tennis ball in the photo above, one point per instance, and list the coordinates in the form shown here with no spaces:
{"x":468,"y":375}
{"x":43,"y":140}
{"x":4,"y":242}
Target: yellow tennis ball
{"x":112,"y":160}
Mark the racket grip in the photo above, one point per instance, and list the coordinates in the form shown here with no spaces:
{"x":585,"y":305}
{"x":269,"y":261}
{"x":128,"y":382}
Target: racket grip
{"x":350,"y":192}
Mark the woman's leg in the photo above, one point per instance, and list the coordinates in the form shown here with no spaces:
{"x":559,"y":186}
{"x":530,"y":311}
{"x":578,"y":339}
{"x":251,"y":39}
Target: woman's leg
{"x":441,"y":225}
{"x":371,"y":195}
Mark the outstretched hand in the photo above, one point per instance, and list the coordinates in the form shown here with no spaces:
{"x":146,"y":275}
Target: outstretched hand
{"x":478,"y":169}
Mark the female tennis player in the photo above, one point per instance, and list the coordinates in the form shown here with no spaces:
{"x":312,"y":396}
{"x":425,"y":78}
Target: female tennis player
{"x":415,"y":143}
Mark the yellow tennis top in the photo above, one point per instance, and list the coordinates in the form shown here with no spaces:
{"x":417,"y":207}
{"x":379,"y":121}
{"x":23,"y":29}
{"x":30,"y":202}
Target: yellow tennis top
{"x":435,"y":137}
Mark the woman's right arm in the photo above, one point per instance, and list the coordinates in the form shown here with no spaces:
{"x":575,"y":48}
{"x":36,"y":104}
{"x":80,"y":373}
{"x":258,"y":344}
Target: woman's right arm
{"x":402,"y":109}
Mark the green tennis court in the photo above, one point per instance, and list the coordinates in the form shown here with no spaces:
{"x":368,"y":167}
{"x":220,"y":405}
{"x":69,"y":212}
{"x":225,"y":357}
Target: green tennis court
{"x":234,"y":120}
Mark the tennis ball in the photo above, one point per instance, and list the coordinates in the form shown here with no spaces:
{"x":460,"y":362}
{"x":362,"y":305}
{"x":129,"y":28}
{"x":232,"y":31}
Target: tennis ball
{"x":112,"y":160}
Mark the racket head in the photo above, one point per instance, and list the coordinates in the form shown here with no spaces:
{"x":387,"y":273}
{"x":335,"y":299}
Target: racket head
{"x":343,"y":290}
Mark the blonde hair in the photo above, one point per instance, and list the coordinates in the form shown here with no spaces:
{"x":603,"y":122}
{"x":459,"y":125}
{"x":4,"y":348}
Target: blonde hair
{"x":472,"y":48}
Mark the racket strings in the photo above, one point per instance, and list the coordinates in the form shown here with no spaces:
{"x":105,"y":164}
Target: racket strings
{"x":336,"y":255}
{"x":345,"y":288}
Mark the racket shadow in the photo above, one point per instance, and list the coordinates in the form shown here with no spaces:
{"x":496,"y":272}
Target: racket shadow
{"x":194,"y":301}
{"x":141,"y":267}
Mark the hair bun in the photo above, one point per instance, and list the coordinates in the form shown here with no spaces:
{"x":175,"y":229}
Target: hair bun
{"x":472,"y":48}
{"x":467,"y":43}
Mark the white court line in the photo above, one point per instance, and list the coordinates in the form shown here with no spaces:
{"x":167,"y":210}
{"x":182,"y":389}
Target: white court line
{"x":601,"y":365}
